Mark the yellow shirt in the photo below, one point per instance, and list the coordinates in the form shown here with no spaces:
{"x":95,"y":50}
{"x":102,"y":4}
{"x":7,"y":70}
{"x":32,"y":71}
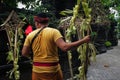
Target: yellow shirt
{"x":44,"y":48}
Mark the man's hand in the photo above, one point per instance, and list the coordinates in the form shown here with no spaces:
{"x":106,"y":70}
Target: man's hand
{"x":86,"y":39}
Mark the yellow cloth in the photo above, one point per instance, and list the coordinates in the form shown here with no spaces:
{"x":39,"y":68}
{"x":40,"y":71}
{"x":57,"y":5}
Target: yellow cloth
{"x":47,"y":76}
{"x":44,"y":48}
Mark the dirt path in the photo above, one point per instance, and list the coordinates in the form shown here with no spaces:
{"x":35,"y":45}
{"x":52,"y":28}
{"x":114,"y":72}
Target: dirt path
{"x":107,"y":65}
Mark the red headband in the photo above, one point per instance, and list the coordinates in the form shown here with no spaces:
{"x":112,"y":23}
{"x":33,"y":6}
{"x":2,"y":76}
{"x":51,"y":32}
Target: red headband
{"x":40,"y":19}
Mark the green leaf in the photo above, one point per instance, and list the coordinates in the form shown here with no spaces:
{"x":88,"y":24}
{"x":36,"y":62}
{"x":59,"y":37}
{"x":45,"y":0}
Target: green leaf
{"x":66,"y":12}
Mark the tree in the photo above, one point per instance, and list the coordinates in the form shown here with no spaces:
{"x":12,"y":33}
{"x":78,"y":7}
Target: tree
{"x":13,"y":4}
{"x":115,"y":15}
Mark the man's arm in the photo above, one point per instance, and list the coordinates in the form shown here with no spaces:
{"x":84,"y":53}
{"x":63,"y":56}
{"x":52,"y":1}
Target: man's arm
{"x":26,"y":51}
{"x":67,"y":46}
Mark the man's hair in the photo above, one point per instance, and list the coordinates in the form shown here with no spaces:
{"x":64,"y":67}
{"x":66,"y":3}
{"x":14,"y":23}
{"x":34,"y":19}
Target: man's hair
{"x":42,"y":15}
{"x":41,"y":18}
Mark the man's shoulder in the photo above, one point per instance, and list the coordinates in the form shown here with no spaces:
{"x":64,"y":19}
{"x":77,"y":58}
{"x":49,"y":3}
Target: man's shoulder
{"x":50,"y":28}
{"x":33,"y":32}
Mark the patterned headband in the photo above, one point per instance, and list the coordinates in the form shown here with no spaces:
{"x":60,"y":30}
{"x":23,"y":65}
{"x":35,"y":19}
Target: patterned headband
{"x":40,"y":19}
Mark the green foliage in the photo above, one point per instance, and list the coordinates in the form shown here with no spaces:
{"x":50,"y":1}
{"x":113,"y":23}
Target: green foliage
{"x":66,"y":12}
{"x":107,"y":3}
{"x":93,"y":36}
{"x":29,"y":18}
{"x":13,"y":3}
{"x":10,"y":3}
{"x":35,"y":8}
{"x":10,"y":56}
{"x":108,"y":43}
{"x":27,"y":1}
{"x":115,"y":4}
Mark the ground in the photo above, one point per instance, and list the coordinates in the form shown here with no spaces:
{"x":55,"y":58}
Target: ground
{"x":107,"y":65}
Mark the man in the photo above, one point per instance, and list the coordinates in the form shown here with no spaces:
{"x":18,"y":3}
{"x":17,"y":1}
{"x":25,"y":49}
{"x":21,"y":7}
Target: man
{"x":45,"y":53}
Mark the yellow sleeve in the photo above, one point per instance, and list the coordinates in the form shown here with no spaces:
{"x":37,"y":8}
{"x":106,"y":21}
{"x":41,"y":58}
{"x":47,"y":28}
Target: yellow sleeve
{"x":27,"y":41}
{"x":57,"y":35}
